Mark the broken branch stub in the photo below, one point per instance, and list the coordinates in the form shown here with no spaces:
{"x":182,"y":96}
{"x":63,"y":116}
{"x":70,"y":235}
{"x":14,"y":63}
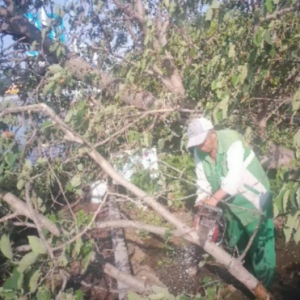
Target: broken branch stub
{"x":19,"y":206}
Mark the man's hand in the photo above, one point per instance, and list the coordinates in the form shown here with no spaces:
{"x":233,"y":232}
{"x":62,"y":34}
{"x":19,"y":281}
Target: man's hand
{"x":218,"y":196}
{"x":210,"y":201}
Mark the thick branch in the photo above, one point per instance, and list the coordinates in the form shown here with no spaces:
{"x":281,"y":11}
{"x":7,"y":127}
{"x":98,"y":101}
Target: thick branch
{"x":21,"y":208}
{"x":280,"y":13}
{"x":126,"y":278}
{"x":35,"y":218}
{"x":139,"y":8}
{"x":10,"y":5}
{"x":3,"y":12}
{"x":8,"y":217}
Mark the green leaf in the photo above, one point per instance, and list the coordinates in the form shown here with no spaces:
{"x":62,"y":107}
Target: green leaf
{"x":20,"y":184}
{"x":63,"y":260}
{"x":79,"y":295}
{"x":161,"y":144}
{"x":159,"y":296}
{"x":33,"y":45}
{"x":80,"y":167}
{"x":269,"y":6}
{"x":15,"y":281}
{"x":48,"y":87}
{"x":234,"y":79}
{"x":258,"y":36}
{"x":53,"y":69}
{"x":201,"y":263}
{"x":296,"y":101}
{"x":133,"y":296}
{"x":215,"y":4}
{"x":297,"y":236}
{"x":78,"y":246}
{"x":276,"y":1}
{"x":223,"y":107}
{"x":36,"y":245}
{"x":209,"y":14}
{"x":33,"y":282}
{"x":286,"y":197}
{"x":27,"y":260}
{"x":267,"y":37}
{"x":46,"y":124}
{"x":289,"y":226}
{"x":75,"y":181}
{"x":244,"y":72}
{"x":231,"y":52}
{"x":298,"y":197}
{"x":146,"y":40}
{"x":43,"y":293}
{"x":147,"y":139}
{"x":57,"y":91}
{"x":167,"y":3}
{"x":279,"y":199}
{"x":28,"y":164}
{"x":297,"y":139}
{"x":10,"y":158}
{"x":5,"y":246}
{"x":69,"y":116}
{"x":211,"y":293}
{"x":56,"y":76}
{"x":86,"y":261}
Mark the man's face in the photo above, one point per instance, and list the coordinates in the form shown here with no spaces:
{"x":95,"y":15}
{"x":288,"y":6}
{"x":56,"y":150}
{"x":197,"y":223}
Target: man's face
{"x":209,"y":144}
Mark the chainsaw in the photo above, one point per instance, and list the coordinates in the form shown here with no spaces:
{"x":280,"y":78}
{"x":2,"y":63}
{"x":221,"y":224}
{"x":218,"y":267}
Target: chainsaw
{"x":211,"y":223}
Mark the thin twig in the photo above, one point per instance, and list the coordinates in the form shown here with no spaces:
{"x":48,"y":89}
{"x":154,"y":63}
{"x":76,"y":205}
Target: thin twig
{"x":37,"y":224}
{"x":151,"y":112}
{"x":25,"y":224}
{"x":86,"y":228}
{"x":11,"y":216}
{"x":241,"y":258}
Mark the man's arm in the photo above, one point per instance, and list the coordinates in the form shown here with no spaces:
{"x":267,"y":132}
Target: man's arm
{"x":203,"y":186}
{"x":230,"y":183}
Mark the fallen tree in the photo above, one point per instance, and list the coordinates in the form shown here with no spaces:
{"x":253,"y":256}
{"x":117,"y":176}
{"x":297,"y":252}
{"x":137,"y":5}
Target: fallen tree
{"x":233,"y":265}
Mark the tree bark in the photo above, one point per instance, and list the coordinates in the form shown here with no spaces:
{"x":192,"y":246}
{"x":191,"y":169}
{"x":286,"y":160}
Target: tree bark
{"x":21,"y":208}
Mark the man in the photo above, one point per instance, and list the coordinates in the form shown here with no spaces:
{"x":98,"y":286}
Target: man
{"x":230,"y":175}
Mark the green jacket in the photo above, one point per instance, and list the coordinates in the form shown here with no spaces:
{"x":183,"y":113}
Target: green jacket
{"x":238,"y":172}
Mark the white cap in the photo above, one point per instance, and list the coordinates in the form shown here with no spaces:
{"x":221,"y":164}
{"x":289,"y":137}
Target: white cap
{"x":197,"y":131}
